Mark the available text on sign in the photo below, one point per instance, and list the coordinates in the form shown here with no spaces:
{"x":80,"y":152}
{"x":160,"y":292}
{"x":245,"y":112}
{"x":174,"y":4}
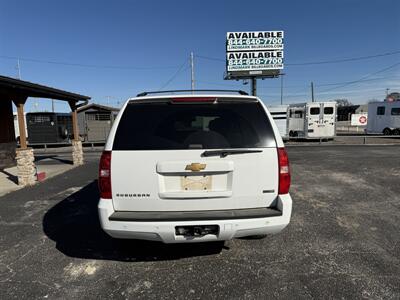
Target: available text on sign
{"x":254,"y":40}
{"x":258,"y":60}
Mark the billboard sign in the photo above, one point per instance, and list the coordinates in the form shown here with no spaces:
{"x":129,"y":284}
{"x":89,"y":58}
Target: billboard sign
{"x":252,"y":54}
{"x":254,"y":60}
{"x":254,"y":40}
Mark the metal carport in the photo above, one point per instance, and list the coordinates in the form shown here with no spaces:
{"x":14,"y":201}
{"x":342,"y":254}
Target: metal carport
{"x":18,"y":91}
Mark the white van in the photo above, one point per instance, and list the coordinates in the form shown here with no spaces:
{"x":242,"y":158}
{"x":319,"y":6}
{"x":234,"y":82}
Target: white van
{"x":193,"y":168}
{"x":312,"y":120}
{"x":384,"y":117}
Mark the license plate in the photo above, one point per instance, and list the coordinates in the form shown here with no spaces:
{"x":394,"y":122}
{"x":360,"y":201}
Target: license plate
{"x":196,"y":183}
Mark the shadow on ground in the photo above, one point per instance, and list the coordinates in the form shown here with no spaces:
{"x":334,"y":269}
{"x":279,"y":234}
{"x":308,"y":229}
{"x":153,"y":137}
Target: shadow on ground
{"x":11,"y":177}
{"x":53,"y":157}
{"x":74,"y":225}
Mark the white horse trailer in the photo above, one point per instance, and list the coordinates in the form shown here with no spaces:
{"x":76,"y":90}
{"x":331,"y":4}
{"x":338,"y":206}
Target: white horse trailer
{"x":384,"y":117}
{"x":16,"y":126}
{"x":279,"y":114}
{"x":312,"y":120}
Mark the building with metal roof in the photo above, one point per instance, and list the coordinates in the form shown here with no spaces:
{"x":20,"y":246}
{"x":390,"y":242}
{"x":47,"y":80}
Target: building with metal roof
{"x":17,"y":91}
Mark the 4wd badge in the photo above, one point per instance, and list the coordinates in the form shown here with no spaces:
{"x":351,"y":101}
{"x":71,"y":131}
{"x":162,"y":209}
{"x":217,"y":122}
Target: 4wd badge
{"x":195,"y":167}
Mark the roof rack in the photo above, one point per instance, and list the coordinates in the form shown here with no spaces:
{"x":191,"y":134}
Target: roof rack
{"x":240,"y":92}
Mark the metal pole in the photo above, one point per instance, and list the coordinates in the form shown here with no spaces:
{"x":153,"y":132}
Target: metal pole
{"x":312,"y":91}
{"x":192,"y":69}
{"x":254,"y":86}
{"x":52,"y":105}
{"x":19,"y":69}
{"x":281,"y":89}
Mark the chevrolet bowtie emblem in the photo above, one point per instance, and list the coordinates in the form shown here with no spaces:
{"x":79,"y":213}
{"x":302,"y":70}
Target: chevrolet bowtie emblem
{"x":195,"y":167}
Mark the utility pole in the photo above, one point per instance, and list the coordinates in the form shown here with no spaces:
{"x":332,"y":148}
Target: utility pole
{"x":52,"y":105}
{"x":192,"y":69}
{"x":254,"y":86}
{"x":282,"y":87}
{"x":312,"y":91}
{"x":19,"y":69}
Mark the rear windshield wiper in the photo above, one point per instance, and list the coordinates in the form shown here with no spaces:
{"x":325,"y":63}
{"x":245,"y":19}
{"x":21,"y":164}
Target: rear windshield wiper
{"x":224,"y":153}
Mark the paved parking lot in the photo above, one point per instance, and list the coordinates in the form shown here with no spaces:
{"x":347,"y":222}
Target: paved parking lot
{"x":343,"y":241}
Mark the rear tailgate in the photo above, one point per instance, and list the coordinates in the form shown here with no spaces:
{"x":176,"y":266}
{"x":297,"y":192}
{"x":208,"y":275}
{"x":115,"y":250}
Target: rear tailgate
{"x":158,"y":161}
{"x":159,"y":180}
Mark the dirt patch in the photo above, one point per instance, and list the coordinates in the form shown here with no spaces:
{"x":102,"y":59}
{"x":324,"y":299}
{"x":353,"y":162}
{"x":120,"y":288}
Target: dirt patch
{"x":84,"y":269}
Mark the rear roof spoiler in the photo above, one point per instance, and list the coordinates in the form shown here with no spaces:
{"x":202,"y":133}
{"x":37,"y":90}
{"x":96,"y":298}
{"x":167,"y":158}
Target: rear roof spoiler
{"x":240,"y":92}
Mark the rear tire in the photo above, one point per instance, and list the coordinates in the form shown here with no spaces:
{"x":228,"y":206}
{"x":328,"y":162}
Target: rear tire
{"x":387,"y":131}
{"x":396,"y":131}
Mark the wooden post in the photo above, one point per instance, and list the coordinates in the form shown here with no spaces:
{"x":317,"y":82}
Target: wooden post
{"x":19,"y":103}
{"x":75,"y":125}
{"x":74,"y":114}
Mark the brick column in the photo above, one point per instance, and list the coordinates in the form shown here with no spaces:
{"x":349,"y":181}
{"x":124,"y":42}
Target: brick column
{"x":77,"y":153}
{"x":26,"y":167}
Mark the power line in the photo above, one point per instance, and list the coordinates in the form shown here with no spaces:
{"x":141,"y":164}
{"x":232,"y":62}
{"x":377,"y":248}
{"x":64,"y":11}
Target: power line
{"x":210,"y":58}
{"x":218,"y":84}
{"x":84,"y":65}
{"x":362,"y":78}
{"x":174,"y":76}
{"x":296,"y":85}
{"x":344,"y":59}
{"x":97,"y":66}
{"x":358,"y":58}
{"x":346,"y":82}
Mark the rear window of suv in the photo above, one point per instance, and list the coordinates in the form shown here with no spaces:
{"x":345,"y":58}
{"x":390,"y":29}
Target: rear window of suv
{"x":166,"y":126}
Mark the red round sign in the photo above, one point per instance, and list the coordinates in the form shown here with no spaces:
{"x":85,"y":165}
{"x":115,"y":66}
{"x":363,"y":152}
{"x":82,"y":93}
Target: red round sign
{"x":362,"y":120}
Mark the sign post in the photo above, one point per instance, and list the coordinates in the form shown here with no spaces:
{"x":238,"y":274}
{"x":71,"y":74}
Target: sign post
{"x":254,"y":54}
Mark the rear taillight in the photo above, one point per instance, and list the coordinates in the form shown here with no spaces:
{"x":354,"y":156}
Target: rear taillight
{"x":284,"y":172}
{"x":105,"y":175}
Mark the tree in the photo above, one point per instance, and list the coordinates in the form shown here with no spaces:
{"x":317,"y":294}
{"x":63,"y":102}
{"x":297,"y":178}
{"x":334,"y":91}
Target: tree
{"x":395,"y":96}
{"x":343,"y":102}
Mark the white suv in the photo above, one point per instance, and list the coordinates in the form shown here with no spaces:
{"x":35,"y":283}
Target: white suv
{"x":193,"y":168}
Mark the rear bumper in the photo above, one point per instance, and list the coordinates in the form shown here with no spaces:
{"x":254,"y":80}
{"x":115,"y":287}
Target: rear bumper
{"x":164,"y":231}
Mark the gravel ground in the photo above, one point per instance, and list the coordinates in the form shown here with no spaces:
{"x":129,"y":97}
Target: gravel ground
{"x":343,"y":240}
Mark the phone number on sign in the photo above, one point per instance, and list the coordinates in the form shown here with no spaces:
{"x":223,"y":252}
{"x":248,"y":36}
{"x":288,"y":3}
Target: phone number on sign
{"x":254,"y":61}
{"x":249,"y":42}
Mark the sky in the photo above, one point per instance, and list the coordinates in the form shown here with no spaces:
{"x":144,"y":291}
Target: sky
{"x":112,"y":50}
